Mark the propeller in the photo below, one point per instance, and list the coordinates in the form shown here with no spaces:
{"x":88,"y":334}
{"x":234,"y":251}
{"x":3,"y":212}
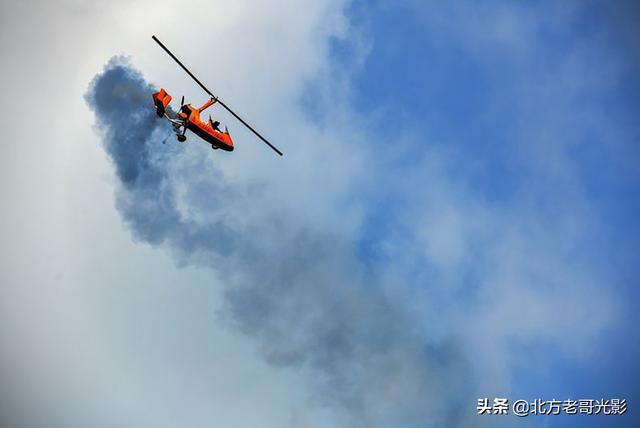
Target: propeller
{"x":182,"y":104}
{"x":180,"y":109}
{"x":184,"y":123}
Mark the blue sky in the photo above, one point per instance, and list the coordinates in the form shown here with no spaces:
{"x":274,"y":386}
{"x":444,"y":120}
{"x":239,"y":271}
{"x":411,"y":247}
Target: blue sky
{"x":490,"y":82}
{"x":455,"y":215}
{"x":462,"y":90}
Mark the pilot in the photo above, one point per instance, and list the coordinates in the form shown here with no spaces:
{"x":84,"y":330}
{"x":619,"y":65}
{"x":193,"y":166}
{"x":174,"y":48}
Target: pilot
{"x":215,"y":125}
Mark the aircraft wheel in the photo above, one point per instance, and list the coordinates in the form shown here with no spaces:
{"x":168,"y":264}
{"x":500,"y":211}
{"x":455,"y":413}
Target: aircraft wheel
{"x":181,"y":138}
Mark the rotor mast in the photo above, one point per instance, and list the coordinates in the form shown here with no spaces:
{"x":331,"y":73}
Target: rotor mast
{"x":204,"y":88}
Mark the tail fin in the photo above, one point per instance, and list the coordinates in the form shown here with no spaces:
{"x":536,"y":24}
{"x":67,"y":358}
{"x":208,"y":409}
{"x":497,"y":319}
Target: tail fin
{"x":161,"y":100}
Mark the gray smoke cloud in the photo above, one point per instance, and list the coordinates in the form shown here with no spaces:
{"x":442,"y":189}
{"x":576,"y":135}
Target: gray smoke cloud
{"x":301,"y":292}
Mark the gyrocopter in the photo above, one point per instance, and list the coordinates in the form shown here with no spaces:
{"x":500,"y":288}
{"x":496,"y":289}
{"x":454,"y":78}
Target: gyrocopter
{"x":188,"y":116}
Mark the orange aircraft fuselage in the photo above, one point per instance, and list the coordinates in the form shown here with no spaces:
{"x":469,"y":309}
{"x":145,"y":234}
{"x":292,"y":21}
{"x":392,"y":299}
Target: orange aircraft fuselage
{"x":190,"y":116}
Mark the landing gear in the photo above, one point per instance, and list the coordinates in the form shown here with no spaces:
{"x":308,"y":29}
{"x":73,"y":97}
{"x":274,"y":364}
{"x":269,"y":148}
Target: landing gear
{"x":182,"y":137}
{"x":214,"y":147}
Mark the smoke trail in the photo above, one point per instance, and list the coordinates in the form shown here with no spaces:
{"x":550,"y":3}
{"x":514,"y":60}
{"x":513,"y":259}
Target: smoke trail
{"x":302,"y":293}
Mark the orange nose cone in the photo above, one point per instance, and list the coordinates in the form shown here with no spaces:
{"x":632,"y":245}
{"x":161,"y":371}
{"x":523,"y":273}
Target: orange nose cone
{"x":229,"y":141}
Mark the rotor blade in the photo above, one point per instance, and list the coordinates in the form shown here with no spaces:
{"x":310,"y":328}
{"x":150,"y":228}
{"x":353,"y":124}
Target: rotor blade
{"x":210,"y":93}
{"x":182,"y":65}
{"x":275,"y":149}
